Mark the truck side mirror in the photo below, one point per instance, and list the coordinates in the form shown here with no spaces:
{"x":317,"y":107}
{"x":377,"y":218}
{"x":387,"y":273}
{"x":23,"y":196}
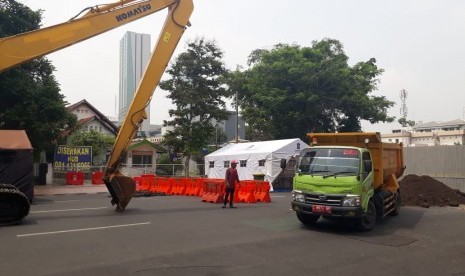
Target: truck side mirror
{"x":283,"y":163}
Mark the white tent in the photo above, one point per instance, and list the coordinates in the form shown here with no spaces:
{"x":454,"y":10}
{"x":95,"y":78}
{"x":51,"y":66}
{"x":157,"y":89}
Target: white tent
{"x":253,"y":157}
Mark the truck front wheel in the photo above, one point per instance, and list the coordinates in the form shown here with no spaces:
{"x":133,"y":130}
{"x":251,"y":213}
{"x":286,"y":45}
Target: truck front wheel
{"x":368,"y":221}
{"x":307,"y":219}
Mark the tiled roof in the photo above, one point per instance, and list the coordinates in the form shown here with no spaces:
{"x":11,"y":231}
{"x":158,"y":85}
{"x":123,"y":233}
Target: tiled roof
{"x":145,"y":142}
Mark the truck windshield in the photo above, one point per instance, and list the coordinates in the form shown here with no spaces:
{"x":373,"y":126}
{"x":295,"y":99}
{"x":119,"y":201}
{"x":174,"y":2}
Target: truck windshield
{"x":329,"y":162}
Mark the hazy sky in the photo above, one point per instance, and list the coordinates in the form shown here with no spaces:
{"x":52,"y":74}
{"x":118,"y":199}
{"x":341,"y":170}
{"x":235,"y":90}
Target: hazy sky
{"x":419,"y":43}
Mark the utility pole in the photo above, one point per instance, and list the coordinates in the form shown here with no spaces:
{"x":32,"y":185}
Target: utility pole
{"x":237,"y":119}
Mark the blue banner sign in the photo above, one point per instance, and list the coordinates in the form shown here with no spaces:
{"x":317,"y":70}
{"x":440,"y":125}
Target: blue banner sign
{"x":72,"y":158}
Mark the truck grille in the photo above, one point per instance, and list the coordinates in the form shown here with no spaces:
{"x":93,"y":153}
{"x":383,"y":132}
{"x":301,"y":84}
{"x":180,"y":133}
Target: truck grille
{"x":322,"y":199}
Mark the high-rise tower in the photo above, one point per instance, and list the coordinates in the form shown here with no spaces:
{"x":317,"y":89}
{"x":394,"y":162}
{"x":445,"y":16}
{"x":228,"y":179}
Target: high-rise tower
{"x":403,"y":107}
{"x":134,"y":55}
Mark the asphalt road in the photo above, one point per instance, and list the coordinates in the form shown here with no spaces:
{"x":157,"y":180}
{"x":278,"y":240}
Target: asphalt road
{"x":178,"y":235}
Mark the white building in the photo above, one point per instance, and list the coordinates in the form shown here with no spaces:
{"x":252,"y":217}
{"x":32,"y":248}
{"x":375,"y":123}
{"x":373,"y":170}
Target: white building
{"x":89,"y":118}
{"x":429,"y":134}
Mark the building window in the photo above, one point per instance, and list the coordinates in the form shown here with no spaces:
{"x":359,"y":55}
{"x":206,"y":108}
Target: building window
{"x":397,"y":141}
{"x":211,"y":164}
{"x":243,"y":163}
{"x":142,"y":159}
{"x":226,"y":164}
{"x":261,"y":163}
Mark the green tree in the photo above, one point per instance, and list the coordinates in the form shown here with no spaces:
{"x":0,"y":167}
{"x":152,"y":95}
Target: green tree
{"x":30,"y":95}
{"x":196,"y":88}
{"x":404,"y":122}
{"x":100,"y":143}
{"x":291,"y":90}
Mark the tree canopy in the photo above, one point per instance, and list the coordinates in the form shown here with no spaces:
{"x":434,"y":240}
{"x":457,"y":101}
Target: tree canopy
{"x":291,"y":90}
{"x":197,"y":90}
{"x":30,"y":95}
{"x":100,"y":143}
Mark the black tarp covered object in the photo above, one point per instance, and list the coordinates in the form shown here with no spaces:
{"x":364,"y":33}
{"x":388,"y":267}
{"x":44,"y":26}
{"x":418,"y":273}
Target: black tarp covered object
{"x":16,"y":161}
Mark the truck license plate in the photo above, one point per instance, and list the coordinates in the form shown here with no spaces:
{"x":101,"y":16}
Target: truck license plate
{"x":321,"y":209}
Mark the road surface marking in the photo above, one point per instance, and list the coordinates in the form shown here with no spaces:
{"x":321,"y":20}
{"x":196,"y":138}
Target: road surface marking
{"x":81,"y":230}
{"x":277,"y":196}
{"x":67,"y":210}
{"x":54,"y":201}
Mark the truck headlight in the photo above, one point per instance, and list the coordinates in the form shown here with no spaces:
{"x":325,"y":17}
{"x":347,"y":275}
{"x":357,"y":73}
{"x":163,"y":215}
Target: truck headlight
{"x":298,"y":196}
{"x":351,"y":201}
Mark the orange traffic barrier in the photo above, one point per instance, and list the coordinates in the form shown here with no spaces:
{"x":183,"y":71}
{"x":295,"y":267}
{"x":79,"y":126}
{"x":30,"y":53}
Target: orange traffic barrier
{"x":178,"y":187}
{"x":207,"y":190}
{"x":187,"y":187}
{"x":165,"y":185}
{"x":246,"y":192}
{"x":210,"y":190}
{"x":156,"y":185}
{"x":97,"y":178}
{"x":192,"y":186}
{"x":197,"y":186}
{"x":182,"y":188}
{"x":146,"y":181}
{"x":213,"y":190}
{"x":201,"y":185}
{"x":262,"y":191}
{"x":137,"y":182}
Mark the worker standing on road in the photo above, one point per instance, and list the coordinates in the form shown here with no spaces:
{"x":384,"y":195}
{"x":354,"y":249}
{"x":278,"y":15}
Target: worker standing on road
{"x":231,"y":179}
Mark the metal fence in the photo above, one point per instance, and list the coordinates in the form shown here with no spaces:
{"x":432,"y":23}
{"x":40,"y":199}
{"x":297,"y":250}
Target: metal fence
{"x":167,"y":170}
{"x":443,"y":163}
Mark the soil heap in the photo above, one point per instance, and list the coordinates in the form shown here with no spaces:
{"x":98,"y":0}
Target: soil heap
{"x":426,"y":191}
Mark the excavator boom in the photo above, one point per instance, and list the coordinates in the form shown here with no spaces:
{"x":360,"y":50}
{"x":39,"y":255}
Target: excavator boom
{"x":92,"y":21}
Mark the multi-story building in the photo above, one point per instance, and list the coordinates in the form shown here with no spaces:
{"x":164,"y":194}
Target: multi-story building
{"x":429,"y":134}
{"x":231,"y":126}
{"x":134,"y":54}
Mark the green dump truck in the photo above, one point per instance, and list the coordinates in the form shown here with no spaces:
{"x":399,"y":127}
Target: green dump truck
{"x":348,"y":175}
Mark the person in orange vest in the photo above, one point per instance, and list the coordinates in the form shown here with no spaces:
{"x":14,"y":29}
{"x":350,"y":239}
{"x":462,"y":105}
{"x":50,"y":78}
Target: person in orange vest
{"x":231,"y":179}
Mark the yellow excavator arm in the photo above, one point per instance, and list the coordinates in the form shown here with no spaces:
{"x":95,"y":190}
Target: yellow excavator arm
{"x":93,"y":21}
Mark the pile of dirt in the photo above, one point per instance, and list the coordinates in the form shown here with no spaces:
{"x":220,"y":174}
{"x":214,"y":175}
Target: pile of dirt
{"x":426,"y":191}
